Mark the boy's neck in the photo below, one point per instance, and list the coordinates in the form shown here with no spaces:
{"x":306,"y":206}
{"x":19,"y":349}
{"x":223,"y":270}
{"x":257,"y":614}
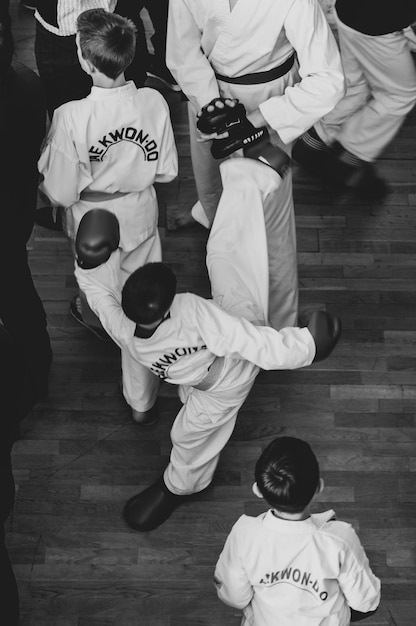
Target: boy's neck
{"x":103,"y":81}
{"x":292,"y":517}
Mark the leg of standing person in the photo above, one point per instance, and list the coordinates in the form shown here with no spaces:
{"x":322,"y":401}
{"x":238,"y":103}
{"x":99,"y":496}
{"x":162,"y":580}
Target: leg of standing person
{"x":23,"y":315}
{"x":10,"y":416}
{"x":280,"y":223}
{"x":137,"y":70}
{"x":389,"y":71}
{"x":158,"y":12}
{"x":61,"y":75}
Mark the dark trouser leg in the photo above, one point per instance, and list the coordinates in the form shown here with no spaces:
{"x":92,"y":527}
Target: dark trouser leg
{"x":137,"y":70}
{"x":24,"y":317}
{"x":10,"y":595}
{"x":158,"y":11}
{"x":9,"y":428}
{"x":62,"y":78}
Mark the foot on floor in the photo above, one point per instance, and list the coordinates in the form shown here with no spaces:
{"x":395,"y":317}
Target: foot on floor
{"x":350,"y":172}
{"x":153,"y":506}
{"x":147,"y":418}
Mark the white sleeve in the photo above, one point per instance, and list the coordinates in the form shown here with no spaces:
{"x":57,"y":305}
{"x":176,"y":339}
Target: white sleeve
{"x":230,"y":578}
{"x":167,"y":166}
{"x":358,"y":583}
{"x":322,"y":78}
{"x":64,"y":176}
{"x":185,"y":58}
{"x":101,"y":287}
{"x":235,"y":337}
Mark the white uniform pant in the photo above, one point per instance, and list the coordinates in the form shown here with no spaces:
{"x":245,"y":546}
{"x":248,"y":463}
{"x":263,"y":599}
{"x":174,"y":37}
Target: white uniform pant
{"x":279,"y":216}
{"x":381,"y":89}
{"x":140,"y":385}
{"x":237,"y":262}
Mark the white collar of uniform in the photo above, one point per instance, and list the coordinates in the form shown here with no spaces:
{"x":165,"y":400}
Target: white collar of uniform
{"x":101,"y":93}
{"x":310,"y":524}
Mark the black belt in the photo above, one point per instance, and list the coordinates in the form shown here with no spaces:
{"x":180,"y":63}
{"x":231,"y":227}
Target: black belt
{"x":258,"y":78}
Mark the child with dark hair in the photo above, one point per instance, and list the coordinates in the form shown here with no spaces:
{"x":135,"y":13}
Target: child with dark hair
{"x":288,"y":566}
{"x":148,"y":294}
{"x":107,"y":150}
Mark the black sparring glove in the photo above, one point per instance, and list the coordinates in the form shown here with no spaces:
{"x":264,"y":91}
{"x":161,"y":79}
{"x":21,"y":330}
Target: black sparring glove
{"x":97,"y":237}
{"x":325,"y":328}
{"x":226,"y":115}
{"x":219,"y":115}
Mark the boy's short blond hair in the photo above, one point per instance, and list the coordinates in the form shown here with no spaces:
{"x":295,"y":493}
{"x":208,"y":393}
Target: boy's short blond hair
{"x":107,"y":41}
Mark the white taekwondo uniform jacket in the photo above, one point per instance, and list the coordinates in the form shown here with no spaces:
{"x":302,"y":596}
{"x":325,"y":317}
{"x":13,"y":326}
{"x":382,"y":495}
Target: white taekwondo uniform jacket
{"x":295,"y":573}
{"x":186,"y":344}
{"x":106,"y":151}
{"x":257,"y":36}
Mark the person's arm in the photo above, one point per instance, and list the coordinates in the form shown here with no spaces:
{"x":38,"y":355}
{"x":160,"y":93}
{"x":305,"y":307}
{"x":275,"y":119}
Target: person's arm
{"x":235,"y":337}
{"x":359,"y":585}
{"x":167,"y":166}
{"x":230,"y":578}
{"x":185,"y":58}
{"x":101,"y":286}
{"x":64,"y":176}
{"x":322,"y":82}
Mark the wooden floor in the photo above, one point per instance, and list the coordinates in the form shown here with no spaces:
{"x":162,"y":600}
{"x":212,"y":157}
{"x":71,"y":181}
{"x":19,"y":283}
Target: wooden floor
{"x":81,"y":456}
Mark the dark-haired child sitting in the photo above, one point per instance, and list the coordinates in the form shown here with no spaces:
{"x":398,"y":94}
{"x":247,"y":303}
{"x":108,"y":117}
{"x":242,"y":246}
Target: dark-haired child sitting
{"x":288,"y":566}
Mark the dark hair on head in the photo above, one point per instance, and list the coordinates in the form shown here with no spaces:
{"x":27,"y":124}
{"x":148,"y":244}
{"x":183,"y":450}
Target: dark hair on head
{"x":287,"y":474}
{"x":148,"y":293}
{"x":107,"y":40}
{"x":6,"y":48}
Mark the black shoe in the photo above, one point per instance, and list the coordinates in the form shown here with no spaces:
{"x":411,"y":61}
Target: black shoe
{"x":45,"y":217}
{"x":162,"y":74}
{"x":311,"y":152}
{"x":95,"y":330}
{"x":350,"y":172}
{"x":147,"y":418}
{"x":150,"y":508}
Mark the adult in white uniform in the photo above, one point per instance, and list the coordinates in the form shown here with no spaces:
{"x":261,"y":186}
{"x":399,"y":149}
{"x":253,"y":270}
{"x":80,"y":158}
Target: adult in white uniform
{"x":279,"y":58}
{"x":212,"y":349}
{"x":288,"y":566}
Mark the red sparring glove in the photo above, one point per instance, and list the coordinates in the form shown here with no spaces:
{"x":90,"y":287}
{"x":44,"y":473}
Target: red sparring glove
{"x":325,"y":329}
{"x":226,"y":115}
{"x":97,"y":237}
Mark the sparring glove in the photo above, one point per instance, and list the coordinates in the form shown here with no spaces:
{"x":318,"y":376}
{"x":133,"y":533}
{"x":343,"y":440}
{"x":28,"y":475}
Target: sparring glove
{"x":229,"y":115}
{"x":325,"y":329}
{"x":97,"y":238}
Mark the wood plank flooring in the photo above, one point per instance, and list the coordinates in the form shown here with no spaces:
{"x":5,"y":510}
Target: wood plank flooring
{"x":81,"y":456}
